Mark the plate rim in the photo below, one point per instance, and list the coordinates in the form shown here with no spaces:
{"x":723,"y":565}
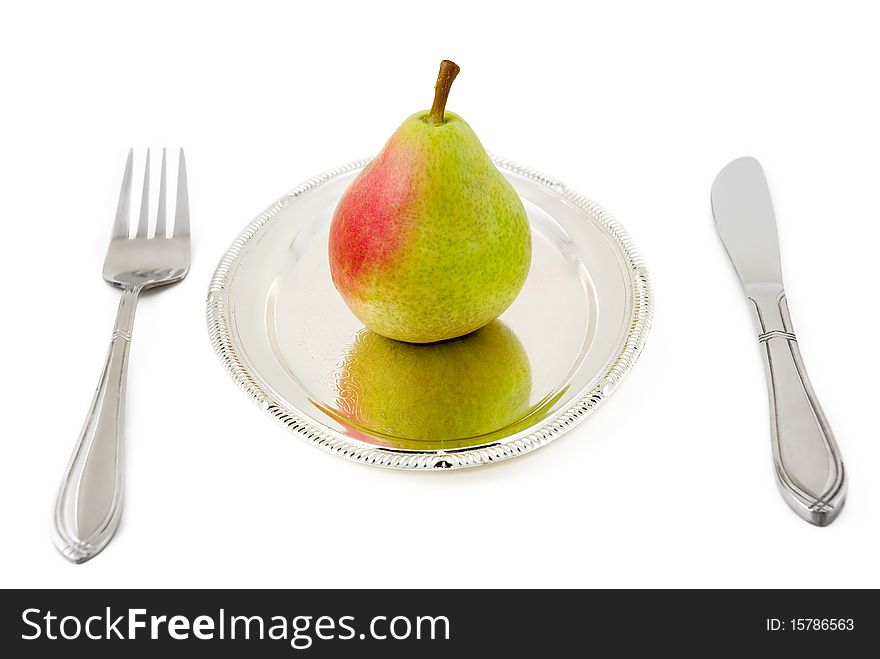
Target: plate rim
{"x":584,"y":403}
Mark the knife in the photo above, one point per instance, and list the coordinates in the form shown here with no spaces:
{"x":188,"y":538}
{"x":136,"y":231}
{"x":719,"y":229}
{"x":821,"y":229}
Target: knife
{"x":809,"y":469}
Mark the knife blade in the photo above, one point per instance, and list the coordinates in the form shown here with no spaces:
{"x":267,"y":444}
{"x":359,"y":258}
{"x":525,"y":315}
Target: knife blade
{"x":808,"y":465}
{"x":746,"y":223}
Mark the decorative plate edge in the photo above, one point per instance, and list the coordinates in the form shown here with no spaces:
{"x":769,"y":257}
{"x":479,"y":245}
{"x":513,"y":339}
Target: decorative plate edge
{"x":641,"y":315}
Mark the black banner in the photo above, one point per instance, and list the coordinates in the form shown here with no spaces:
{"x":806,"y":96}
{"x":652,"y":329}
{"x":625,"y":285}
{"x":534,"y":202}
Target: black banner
{"x":290,"y":623}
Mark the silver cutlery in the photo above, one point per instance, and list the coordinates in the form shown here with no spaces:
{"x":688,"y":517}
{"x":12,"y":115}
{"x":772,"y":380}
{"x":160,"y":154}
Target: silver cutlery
{"x":89,"y":504}
{"x":809,"y":468}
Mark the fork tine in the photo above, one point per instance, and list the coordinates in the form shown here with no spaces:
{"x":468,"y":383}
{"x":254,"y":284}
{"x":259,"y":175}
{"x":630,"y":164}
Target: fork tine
{"x":145,"y":201}
{"x":181,"y":214}
{"x":120,"y":226}
{"x":160,"y":215}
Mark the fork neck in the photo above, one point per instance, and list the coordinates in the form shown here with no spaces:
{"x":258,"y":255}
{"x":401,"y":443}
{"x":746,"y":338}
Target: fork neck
{"x":125,"y":314}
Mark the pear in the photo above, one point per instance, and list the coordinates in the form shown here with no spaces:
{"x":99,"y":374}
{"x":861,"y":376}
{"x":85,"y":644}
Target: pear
{"x":442,"y":395}
{"x":430,"y":241}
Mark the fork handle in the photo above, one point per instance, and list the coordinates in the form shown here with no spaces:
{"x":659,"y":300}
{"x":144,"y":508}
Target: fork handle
{"x":809,"y":468}
{"x":89,"y":504}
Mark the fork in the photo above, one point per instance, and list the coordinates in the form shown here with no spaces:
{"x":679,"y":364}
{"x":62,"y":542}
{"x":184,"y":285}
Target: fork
{"x":89,"y":504}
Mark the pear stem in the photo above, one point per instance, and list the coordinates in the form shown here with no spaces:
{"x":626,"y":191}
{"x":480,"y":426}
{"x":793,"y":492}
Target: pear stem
{"x":448,"y":71}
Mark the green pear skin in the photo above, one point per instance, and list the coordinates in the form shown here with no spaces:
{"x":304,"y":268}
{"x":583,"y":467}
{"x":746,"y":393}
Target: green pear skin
{"x":430,"y":241}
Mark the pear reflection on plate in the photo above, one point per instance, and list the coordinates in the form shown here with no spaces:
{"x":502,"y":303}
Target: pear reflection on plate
{"x":450,"y":394}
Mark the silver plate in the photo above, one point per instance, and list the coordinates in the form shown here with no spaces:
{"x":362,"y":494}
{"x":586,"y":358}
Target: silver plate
{"x":286,"y":337}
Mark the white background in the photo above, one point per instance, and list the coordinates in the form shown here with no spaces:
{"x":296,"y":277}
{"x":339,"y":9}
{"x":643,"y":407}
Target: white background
{"x":636,"y":104}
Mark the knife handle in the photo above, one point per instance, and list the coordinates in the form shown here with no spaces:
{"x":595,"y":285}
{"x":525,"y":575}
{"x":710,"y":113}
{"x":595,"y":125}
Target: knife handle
{"x":809,"y":468}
